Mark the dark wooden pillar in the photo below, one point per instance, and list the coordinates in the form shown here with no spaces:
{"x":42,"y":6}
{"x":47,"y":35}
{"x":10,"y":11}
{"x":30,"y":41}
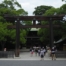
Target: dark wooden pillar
{"x":51,"y":33}
{"x":17,"y":38}
{"x":34,"y":21}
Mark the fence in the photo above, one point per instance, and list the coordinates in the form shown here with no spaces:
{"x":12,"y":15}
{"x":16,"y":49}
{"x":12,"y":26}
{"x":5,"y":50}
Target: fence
{"x":6,"y":54}
{"x":61,"y":54}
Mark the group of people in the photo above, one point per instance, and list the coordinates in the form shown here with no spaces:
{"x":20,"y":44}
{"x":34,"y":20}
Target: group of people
{"x":41,"y":51}
{"x":38,"y":51}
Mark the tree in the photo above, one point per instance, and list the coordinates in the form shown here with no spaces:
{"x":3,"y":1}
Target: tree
{"x":52,"y":11}
{"x":44,"y":33}
{"x":9,"y":35}
{"x":64,"y":0}
{"x":9,"y":7}
{"x":11,"y":4}
{"x":3,"y":34}
{"x":63,"y":23}
{"x":62,"y":9}
{"x":40,"y":10}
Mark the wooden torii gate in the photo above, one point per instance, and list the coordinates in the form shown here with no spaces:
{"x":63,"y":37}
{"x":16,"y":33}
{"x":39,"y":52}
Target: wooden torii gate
{"x":32,"y":18}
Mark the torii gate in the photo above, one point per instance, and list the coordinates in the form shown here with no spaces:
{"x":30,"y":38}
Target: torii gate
{"x":33,"y":18}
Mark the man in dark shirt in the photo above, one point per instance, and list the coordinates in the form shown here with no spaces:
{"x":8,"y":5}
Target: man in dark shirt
{"x":53,"y":50}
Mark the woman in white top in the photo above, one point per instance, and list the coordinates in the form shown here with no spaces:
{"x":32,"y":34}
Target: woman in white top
{"x":42,"y":54}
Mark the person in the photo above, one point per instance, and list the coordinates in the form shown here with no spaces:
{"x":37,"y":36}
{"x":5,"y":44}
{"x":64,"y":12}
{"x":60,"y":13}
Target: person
{"x":4,"y":49}
{"x":42,"y":54}
{"x":53,"y":50}
{"x":36,"y":51}
{"x":44,"y":50}
{"x":31,"y":51}
{"x":39,"y":52}
{"x":5,"y":53}
{"x":48,"y":53}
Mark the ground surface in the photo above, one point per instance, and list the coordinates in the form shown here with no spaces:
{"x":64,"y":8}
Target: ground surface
{"x":25,"y":59}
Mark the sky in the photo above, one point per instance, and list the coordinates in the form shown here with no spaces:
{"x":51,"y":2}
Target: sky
{"x":29,"y":5}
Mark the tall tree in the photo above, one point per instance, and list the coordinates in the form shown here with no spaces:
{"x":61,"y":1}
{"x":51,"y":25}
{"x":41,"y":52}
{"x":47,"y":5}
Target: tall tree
{"x":63,"y":11}
{"x":11,"y":4}
{"x":64,"y":0}
{"x":11,"y":7}
{"x":3,"y":33}
{"x":44,"y":33}
{"x":40,"y":10}
{"x":9,"y":35}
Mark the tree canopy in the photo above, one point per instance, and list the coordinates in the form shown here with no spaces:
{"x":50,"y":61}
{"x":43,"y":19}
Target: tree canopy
{"x":58,"y":33}
{"x":40,"y":10}
{"x":11,"y":7}
{"x":64,"y":0}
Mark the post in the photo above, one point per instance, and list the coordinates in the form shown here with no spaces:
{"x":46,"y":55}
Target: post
{"x":51,"y":33}
{"x":34,"y":21}
{"x":17,"y":38}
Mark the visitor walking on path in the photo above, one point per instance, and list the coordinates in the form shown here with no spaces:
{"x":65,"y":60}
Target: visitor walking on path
{"x":53,"y":51}
{"x":31,"y":51}
{"x":42,"y":54}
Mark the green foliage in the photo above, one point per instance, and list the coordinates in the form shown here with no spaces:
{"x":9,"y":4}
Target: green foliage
{"x":11,"y":7}
{"x":3,"y":31}
{"x":43,"y":33}
{"x":51,"y":11}
{"x":64,"y":0}
{"x":11,"y":4}
{"x":23,"y":34}
{"x":40,"y":10}
{"x":12,"y":34}
{"x":64,"y":29}
{"x":21,"y":12}
{"x":57,"y":32}
{"x":62,"y":9}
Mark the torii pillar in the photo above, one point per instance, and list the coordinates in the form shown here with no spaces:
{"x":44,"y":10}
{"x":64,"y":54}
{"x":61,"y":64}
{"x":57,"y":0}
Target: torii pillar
{"x":51,"y":33}
{"x":17,"y":51}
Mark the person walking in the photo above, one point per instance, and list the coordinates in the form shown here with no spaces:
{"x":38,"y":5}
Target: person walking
{"x":42,"y":54}
{"x":31,"y":51}
{"x":39,"y":52}
{"x":53,"y":50}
